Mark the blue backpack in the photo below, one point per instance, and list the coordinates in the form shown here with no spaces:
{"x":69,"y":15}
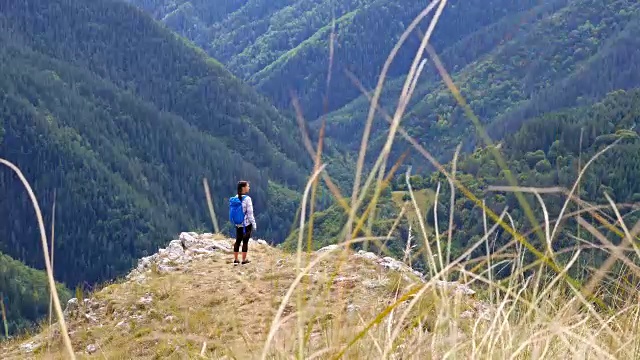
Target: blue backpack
{"x":236,"y":215}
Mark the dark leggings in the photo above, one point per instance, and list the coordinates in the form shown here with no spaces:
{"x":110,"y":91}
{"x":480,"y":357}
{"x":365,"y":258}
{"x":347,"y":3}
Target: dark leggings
{"x":244,"y":238}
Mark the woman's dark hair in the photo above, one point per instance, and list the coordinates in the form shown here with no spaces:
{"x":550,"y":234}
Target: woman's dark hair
{"x":241,"y":185}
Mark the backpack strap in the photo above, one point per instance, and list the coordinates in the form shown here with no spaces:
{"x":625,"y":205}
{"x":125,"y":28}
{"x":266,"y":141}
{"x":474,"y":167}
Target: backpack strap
{"x":244,"y":227}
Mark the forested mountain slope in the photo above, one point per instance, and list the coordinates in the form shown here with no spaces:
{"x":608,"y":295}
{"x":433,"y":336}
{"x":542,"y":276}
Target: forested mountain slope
{"x":122,"y":120}
{"x":512,"y":60}
{"x":25,"y":295}
{"x":562,"y":54}
{"x":546,"y":152}
{"x":283,"y":45}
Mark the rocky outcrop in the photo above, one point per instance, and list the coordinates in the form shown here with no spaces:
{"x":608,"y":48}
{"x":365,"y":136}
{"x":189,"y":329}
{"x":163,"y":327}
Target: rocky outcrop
{"x":479,"y":309}
{"x":178,"y":256}
{"x":188,"y":247}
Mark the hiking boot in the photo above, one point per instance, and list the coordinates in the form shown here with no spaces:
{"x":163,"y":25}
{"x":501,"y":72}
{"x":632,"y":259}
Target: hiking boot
{"x":236,"y":262}
{"x":245,"y":262}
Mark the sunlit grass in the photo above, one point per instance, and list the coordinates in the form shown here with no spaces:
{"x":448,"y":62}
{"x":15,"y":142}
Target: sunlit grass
{"x":539,"y":311}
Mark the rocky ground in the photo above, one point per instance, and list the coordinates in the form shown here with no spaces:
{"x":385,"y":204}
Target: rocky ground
{"x":189,"y":299}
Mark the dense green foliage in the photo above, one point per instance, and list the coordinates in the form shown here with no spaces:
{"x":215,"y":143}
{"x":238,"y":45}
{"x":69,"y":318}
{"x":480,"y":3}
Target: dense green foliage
{"x":25,"y":294}
{"x":512,"y":60}
{"x":559,"y":54}
{"x":548,"y":152}
{"x":123,"y":119}
{"x":283,"y":46}
{"x":545,"y":152}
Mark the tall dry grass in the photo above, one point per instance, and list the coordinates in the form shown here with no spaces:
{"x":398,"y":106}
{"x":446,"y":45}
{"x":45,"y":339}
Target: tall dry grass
{"x":545,"y":315}
{"x":47,"y":259}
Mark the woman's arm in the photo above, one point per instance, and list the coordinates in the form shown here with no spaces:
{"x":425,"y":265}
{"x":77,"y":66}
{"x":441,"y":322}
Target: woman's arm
{"x":249,"y":213}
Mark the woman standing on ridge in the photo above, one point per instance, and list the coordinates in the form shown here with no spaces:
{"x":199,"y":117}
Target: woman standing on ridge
{"x":241,"y":215}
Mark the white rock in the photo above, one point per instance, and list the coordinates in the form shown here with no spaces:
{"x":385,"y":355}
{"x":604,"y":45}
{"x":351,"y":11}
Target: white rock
{"x":91,"y":348}
{"x":345,"y":279}
{"x":328,"y":248}
{"x":175,"y":246}
{"x":202,"y":251}
{"x":188,"y":239}
{"x":483,"y":311}
{"x":392,"y":263}
{"x":221,"y":245}
{"x":91,"y":318}
{"x":136,"y":317}
{"x":145,"y":300}
{"x":376,"y":283}
{"x":458,"y":288}
{"x":29,"y":347}
{"x":389,"y":263}
{"x":367,"y":255}
{"x":258,"y":241}
{"x":352,"y":308}
{"x":72,"y":305}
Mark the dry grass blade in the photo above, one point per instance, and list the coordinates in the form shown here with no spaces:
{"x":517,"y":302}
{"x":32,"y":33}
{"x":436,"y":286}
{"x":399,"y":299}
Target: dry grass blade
{"x":599,"y":215}
{"x":376,"y":97}
{"x":4,"y":316}
{"x":452,"y":188}
{"x":47,"y":262}
{"x":479,"y":129}
{"x":486,"y":236}
{"x":435,"y":222}
{"x":583,"y":206}
{"x":214,"y":220}
{"x":407,"y":89}
{"x":628,"y":236}
{"x":616,"y":254}
{"x":635,"y":231}
{"x":298,"y":259}
{"x":577,"y":182}
{"x":427,"y":285}
{"x":316,"y":166}
{"x":335,"y":191}
{"x":429,"y":261}
{"x":303,"y":211}
{"x":545,"y":213}
{"x":53,"y":226}
{"x":506,"y":316}
{"x":520,"y":238}
{"x":550,"y":286}
{"x":276,"y":320}
{"x":527,"y":189}
{"x":385,"y":182}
